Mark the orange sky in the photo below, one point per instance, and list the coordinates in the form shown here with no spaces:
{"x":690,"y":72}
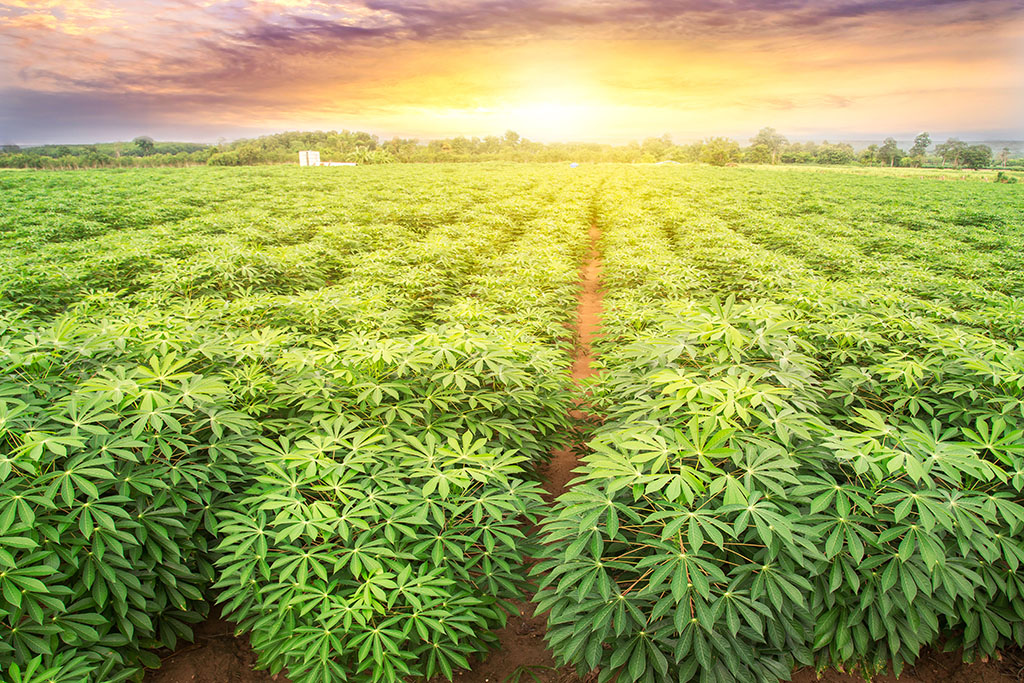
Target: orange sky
{"x":603,"y":70}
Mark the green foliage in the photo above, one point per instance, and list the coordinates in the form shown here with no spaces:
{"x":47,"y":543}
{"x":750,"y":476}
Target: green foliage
{"x":977,"y":156}
{"x":824,"y":468}
{"x":321,"y":416}
{"x":720,"y":151}
{"x":144,"y":145}
{"x":921,"y":144}
{"x":380,"y":536}
{"x":114,"y":452}
{"x":767,"y":147}
{"x":134,"y":463}
{"x":952,"y":151}
{"x":389,"y":249}
{"x":889,"y":153}
{"x":324,"y":405}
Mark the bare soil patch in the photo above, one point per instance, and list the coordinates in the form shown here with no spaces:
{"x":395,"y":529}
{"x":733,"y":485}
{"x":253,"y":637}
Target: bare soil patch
{"x":587,"y":326}
{"x":934,"y":667}
{"x":216,"y":656}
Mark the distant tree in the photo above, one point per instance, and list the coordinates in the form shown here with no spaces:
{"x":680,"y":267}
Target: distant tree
{"x":951,"y":151}
{"x":489,"y":144}
{"x":757,"y":154}
{"x":841,"y":153}
{"x":921,"y":144}
{"x":95,"y":158}
{"x":686,"y":153}
{"x":1004,"y":156}
{"x":869,"y":155}
{"x":977,"y":156}
{"x":374,"y":156}
{"x":511,"y":138}
{"x":10,"y":149}
{"x":889,"y":152}
{"x":658,"y":148}
{"x":145,"y":145}
{"x":770,"y":140}
{"x":720,"y":151}
{"x":798,"y":153}
{"x":404,"y":149}
{"x":461,"y":145}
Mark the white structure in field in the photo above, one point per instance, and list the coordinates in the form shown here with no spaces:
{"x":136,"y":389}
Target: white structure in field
{"x":311,"y":158}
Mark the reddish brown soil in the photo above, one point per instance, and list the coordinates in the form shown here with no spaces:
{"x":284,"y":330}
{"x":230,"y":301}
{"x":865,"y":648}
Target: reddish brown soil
{"x":935,"y":667}
{"x":522,"y":650}
{"x":588,"y":324}
{"x":216,"y":656}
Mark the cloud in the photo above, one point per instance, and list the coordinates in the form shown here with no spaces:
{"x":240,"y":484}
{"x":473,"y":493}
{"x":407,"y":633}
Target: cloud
{"x":279,"y":61}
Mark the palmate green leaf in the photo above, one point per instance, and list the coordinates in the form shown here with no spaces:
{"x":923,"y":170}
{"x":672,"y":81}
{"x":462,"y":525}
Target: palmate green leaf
{"x":851,"y":533}
{"x":34,"y":445}
{"x":828,"y":494}
{"x":9,"y":545}
{"x":1009,"y":509}
{"x":996,"y":439}
{"x":87,"y":414}
{"x":683,"y":571}
{"x":698,"y":525}
{"x":763,"y":516}
{"x":931,"y":507}
{"x":56,"y":670}
{"x":952,"y":459}
{"x":766,"y":468}
{"x":732,"y":489}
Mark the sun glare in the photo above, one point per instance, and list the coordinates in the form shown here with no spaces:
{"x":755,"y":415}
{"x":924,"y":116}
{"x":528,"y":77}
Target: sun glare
{"x":551,"y":119}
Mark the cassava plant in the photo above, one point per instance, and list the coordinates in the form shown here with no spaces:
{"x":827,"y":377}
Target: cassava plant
{"x":750,"y":506}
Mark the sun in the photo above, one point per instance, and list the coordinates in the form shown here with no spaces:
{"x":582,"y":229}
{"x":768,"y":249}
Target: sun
{"x":548,"y":114}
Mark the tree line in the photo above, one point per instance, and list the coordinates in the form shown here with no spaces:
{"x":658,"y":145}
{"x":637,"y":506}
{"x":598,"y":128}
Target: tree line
{"x":767,"y":147}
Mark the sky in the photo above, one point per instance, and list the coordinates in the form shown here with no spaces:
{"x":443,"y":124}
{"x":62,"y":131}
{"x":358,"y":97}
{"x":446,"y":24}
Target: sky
{"x":582,"y":70}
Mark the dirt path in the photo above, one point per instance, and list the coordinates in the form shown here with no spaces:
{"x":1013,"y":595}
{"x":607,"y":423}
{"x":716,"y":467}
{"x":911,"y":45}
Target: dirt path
{"x":217,"y":656}
{"x":523,"y":654}
{"x":588,"y":323}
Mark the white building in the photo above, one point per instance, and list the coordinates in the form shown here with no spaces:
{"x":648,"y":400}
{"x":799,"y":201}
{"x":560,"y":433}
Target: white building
{"x":311,"y":158}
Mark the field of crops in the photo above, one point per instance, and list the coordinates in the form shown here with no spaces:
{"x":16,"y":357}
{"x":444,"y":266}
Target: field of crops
{"x":325,"y":398}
